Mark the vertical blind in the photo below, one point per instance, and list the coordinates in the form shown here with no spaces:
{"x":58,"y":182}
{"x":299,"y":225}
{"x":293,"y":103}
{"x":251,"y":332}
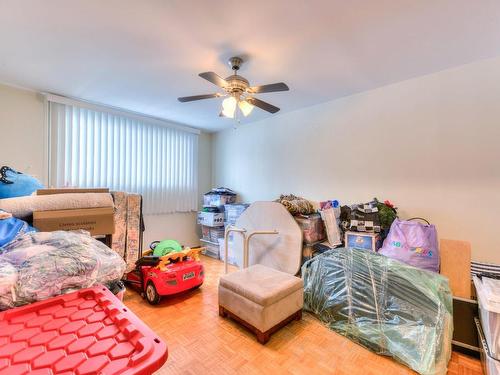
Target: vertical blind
{"x":92,"y":148}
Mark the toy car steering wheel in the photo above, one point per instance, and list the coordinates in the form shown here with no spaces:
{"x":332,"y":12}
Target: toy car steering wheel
{"x":153,"y":244}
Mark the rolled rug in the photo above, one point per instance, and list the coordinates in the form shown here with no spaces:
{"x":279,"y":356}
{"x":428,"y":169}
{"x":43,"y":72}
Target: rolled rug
{"x":23,"y":207}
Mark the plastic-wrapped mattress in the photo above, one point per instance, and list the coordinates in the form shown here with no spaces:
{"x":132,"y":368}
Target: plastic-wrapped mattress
{"x":387,"y":306}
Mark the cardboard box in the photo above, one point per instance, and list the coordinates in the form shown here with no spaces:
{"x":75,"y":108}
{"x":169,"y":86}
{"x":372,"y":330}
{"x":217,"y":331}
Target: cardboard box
{"x":70,"y":190}
{"x":211,"y":219}
{"x":97,"y":221}
{"x":360,"y":240}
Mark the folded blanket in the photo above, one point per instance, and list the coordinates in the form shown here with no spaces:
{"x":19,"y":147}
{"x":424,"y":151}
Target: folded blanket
{"x":23,"y":207}
{"x":296,"y":205}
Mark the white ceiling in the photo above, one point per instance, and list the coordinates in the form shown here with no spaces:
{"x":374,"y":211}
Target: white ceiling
{"x":142,"y":55}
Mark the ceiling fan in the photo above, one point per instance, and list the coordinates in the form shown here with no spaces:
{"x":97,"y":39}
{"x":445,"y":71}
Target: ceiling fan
{"x":238,"y":92}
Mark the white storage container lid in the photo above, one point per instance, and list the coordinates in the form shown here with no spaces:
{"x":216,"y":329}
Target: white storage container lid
{"x":488,"y":293}
{"x":491,"y":366}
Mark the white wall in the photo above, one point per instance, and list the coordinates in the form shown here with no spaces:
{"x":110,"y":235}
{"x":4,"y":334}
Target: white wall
{"x":23,"y":145}
{"x":22,"y":131}
{"x":430,"y":144}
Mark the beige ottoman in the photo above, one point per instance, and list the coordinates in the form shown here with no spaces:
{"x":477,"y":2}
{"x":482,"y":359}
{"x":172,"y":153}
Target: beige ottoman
{"x":261,"y":298}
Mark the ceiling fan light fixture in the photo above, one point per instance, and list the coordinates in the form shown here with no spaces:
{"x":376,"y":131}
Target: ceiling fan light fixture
{"x":240,"y":93}
{"x":229,"y":106}
{"x":245,"y":107}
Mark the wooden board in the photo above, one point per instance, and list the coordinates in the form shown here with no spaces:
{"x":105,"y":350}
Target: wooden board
{"x":455,"y":265}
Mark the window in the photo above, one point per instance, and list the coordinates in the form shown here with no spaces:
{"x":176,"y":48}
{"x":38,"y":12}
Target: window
{"x":94,"y":147}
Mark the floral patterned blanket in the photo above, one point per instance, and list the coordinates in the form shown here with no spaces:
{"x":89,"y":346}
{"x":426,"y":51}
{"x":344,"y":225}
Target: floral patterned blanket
{"x":39,"y":265}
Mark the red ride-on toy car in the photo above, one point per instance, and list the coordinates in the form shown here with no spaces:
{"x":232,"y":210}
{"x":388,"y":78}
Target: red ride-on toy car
{"x":158,"y":276}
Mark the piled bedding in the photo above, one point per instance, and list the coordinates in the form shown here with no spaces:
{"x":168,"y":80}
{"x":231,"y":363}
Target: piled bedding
{"x":35,"y":266}
{"x":387,"y":306}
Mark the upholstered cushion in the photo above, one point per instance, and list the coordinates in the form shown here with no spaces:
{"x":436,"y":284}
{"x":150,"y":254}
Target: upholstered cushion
{"x":262,"y":318}
{"x":261,"y":284}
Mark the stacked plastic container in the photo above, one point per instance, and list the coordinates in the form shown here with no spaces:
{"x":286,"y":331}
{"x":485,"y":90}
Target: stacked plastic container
{"x":488,"y":295}
{"x":211,"y":218}
{"x":232,"y":212}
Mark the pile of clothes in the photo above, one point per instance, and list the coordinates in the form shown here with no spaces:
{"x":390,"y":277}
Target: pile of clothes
{"x":296,"y":205}
{"x":371,"y":217}
{"x":324,"y":225}
{"x":38,"y":265}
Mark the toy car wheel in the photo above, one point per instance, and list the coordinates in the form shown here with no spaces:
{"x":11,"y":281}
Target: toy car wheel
{"x":196,"y":287}
{"x":152,"y":295}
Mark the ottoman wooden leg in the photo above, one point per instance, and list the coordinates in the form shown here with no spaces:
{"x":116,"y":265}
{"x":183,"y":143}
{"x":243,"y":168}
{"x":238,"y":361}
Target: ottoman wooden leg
{"x":262,"y":337}
{"x":298,"y":315}
{"x":222,"y":312}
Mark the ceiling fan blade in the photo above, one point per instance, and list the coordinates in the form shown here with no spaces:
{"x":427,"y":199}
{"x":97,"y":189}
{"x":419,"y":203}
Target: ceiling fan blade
{"x":214,"y":78}
{"x":197,"y":97}
{"x":263,"y":105}
{"x":273,"y":87}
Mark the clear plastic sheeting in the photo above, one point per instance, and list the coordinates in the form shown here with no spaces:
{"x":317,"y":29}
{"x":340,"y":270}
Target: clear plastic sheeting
{"x":37,"y":266}
{"x":387,"y":306}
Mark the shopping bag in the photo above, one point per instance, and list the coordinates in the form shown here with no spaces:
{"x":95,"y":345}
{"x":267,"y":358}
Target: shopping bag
{"x":413,"y":243}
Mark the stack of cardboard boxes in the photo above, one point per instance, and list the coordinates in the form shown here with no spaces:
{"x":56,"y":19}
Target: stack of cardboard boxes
{"x":96,"y":221}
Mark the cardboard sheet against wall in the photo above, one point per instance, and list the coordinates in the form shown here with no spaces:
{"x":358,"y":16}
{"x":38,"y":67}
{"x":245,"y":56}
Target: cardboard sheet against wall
{"x":455,"y":264}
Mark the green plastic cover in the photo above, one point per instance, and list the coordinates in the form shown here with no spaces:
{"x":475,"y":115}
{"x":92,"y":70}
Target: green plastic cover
{"x":387,"y":306}
{"x":166,"y":247}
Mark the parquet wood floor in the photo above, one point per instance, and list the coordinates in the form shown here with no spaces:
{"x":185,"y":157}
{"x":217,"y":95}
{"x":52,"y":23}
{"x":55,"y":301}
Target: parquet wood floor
{"x":200,"y":342}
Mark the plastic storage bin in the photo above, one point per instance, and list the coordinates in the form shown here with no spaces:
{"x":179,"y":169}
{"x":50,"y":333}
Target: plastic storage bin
{"x":489,"y":314}
{"x":211,"y":219}
{"x":117,"y":288}
{"x":490,"y":365}
{"x":233,"y":211}
{"x":211,"y":249}
{"x":312,"y":227}
{"x":85,"y":332}
{"x":205,"y":232}
{"x":216,"y":233}
{"x":219,"y":197}
{"x":232,"y":257}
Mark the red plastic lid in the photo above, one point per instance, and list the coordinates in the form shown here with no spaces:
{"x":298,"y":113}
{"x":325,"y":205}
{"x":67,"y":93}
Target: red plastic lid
{"x":85,"y":332}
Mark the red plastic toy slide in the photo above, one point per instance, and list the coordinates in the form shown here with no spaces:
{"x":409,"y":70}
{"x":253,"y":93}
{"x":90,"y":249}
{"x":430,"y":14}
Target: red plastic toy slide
{"x":85,"y":332}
